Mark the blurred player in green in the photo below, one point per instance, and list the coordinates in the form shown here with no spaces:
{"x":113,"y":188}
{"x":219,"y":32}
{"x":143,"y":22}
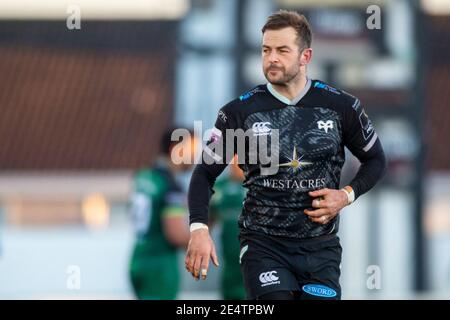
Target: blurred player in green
{"x":226,"y":205}
{"x":159,"y":210}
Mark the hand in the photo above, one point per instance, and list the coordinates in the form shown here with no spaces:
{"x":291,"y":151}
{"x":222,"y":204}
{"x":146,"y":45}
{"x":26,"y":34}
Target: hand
{"x":200,"y":249}
{"x":328,"y":203}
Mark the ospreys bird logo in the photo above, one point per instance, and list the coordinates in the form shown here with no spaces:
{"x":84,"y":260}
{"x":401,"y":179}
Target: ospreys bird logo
{"x":295,"y":162}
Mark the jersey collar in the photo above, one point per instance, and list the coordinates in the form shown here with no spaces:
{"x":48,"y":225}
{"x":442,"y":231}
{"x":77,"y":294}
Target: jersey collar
{"x":285,"y":100}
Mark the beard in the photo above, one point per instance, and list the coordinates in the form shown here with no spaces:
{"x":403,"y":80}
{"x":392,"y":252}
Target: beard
{"x":283,"y":77}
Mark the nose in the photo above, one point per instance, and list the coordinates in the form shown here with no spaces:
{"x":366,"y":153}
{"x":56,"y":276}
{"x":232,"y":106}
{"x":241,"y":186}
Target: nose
{"x":273,"y":57}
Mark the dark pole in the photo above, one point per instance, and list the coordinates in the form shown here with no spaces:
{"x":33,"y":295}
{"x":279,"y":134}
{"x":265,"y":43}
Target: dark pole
{"x":240,"y":47}
{"x":420,"y":270}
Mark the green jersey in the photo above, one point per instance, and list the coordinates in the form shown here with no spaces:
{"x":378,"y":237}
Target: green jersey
{"x":154,"y":263}
{"x":155,"y":195}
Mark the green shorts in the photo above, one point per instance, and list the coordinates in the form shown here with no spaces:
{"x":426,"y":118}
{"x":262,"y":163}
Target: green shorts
{"x":155,"y":278}
{"x":231,"y":281}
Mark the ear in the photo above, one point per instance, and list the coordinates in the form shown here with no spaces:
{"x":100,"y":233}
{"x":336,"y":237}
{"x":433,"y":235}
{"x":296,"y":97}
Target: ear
{"x":306,"y":56}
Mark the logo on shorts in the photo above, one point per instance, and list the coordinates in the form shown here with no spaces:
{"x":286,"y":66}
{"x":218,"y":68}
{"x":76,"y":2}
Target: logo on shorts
{"x":319,"y":290}
{"x":268,"y":278}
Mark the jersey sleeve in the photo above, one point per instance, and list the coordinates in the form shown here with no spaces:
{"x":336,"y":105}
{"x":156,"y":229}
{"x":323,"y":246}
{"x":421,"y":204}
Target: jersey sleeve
{"x":217,"y":154}
{"x":218,"y":149}
{"x":359,"y":133}
{"x":216,"y":200}
{"x":174,"y":203}
{"x":361,"y":139}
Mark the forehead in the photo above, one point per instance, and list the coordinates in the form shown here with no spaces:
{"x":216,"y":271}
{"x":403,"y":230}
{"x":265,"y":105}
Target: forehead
{"x":282,"y":37}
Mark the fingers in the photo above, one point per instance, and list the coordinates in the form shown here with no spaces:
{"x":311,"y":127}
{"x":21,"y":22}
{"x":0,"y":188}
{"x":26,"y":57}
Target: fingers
{"x":322,"y":219}
{"x":316,"y":213}
{"x":204,"y":272}
{"x":191,"y":262}
{"x":319,"y":203}
{"x":319,"y":216}
{"x":322,"y":216}
{"x":214,"y":258}
{"x":197,"y":264}
{"x":197,"y":258}
{"x":204,"y":268}
{"x":321,"y":192}
{"x":205,"y":263}
{"x":186,"y":262}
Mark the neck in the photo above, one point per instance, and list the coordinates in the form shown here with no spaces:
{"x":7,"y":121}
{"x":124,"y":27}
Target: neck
{"x":292,"y":89}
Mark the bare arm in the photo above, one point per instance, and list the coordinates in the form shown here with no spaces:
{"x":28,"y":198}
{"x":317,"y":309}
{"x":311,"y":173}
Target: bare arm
{"x":175,"y":229}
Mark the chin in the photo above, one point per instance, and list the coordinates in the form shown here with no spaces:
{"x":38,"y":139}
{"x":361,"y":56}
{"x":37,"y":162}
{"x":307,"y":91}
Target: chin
{"x":273,"y":80}
{"x":278,"y":82}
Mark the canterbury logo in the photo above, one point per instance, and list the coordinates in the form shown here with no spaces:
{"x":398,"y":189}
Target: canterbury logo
{"x":325,"y":125}
{"x":267,"y":277}
{"x":261,"y":128}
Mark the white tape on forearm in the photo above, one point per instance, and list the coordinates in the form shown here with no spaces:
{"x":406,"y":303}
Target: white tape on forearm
{"x":197,"y":225}
{"x":350,"y":195}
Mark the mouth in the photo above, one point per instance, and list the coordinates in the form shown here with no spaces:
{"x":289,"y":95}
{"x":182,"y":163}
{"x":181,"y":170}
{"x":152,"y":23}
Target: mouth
{"x":273,"y":71}
{"x":273,"y":67}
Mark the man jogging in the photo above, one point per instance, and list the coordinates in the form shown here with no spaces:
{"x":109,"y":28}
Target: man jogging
{"x":290,"y":218}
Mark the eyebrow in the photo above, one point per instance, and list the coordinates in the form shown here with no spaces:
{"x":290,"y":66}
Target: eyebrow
{"x":281,"y":47}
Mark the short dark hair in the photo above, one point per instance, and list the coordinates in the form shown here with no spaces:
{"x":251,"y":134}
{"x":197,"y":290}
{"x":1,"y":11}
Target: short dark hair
{"x":166,"y":143}
{"x":284,"y":18}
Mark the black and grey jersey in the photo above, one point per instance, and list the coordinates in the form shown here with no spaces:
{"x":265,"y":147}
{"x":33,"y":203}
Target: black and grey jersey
{"x":304,"y":139}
